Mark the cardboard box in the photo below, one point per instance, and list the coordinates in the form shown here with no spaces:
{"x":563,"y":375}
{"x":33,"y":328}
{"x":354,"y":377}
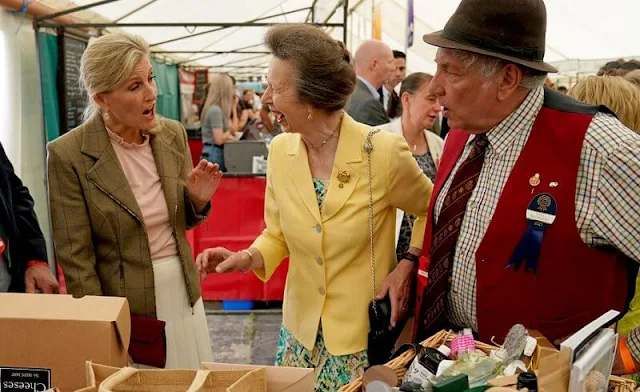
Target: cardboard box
{"x":61,"y":333}
{"x":544,"y":348}
{"x":279,"y":379}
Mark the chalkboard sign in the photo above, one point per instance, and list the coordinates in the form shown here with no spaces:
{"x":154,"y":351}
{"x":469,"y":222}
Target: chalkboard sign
{"x":200,"y":91}
{"x":72,"y":98}
{"x":24,"y":379}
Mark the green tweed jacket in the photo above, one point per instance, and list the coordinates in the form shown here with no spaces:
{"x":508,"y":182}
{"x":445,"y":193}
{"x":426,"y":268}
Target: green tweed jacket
{"x":99,"y":234}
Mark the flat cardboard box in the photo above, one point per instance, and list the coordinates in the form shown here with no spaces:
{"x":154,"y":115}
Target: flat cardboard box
{"x":279,"y":379}
{"x":61,"y":333}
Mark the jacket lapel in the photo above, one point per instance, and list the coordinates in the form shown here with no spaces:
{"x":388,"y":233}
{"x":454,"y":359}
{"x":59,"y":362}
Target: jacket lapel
{"x":107,"y":174}
{"x":348,"y":156}
{"x":300,"y":174}
{"x":169,"y":162}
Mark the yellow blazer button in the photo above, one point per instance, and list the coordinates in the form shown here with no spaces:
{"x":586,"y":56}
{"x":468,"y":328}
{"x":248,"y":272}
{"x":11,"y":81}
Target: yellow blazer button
{"x":319,"y":228}
{"x":321,"y":290}
{"x":319,"y":260}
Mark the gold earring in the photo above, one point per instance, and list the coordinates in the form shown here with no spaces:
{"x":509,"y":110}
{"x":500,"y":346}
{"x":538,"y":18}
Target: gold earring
{"x":309,"y":116}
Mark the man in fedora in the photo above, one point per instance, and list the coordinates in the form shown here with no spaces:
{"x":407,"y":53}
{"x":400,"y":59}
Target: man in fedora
{"x":535,"y":210}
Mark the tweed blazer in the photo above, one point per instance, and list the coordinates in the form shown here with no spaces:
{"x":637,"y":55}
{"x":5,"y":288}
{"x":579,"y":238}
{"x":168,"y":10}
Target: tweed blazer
{"x":99,"y":234}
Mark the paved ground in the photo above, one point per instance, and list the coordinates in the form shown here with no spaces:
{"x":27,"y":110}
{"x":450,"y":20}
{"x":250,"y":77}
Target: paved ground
{"x":249,"y":338}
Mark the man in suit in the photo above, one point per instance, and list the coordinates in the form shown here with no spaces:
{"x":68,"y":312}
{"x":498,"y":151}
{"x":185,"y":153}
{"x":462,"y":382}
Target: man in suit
{"x":23,"y":254}
{"x":391,"y":98}
{"x":373,"y":63}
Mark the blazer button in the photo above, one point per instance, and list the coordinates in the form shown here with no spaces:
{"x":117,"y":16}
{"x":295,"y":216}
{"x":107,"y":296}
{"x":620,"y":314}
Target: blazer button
{"x":318,"y":228}
{"x":319,"y":260}
{"x":321,"y":290}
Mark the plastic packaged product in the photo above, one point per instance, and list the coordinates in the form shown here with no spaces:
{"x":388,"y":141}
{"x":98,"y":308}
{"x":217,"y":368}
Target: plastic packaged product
{"x":478,"y":367}
{"x":463,"y":343}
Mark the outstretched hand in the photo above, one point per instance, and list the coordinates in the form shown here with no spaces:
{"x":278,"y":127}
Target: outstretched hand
{"x":203,"y":182}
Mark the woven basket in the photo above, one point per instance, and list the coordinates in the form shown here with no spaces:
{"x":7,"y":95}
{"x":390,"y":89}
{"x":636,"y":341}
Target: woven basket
{"x":620,"y":384}
{"x":401,"y":364}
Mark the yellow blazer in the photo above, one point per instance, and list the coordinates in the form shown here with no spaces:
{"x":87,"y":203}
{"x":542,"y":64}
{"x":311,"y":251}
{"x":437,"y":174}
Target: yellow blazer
{"x":329,"y":277}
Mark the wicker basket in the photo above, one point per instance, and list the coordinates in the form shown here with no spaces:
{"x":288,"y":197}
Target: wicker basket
{"x":620,"y":384}
{"x":401,"y":364}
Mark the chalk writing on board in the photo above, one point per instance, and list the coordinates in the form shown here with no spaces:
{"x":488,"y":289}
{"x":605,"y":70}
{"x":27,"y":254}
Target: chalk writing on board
{"x":75,"y":99}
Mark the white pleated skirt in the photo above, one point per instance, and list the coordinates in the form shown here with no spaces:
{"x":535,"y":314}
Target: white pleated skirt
{"x":188,"y":343}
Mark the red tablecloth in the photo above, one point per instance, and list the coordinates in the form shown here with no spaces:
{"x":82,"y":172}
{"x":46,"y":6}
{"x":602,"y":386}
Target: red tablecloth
{"x":236,"y":219}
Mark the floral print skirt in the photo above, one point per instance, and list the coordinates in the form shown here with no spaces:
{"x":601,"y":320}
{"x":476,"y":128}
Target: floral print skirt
{"x":332,"y":371}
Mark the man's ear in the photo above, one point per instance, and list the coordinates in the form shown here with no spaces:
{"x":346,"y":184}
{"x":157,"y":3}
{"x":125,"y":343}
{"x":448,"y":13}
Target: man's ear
{"x":511,"y":77}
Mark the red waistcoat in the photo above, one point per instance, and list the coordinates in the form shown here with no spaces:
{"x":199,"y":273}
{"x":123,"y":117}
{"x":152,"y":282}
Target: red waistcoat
{"x":574,"y":283}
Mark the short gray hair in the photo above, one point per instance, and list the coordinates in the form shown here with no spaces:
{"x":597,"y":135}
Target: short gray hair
{"x":107,"y":63}
{"x":490,"y":66}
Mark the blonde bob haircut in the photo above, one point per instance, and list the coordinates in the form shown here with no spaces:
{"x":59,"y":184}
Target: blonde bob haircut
{"x":634,"y":77}
{"x":616,"y":93}
{"x":107,"y":63}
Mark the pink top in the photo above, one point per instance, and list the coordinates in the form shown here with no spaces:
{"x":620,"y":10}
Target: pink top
{"x":141,"y":171}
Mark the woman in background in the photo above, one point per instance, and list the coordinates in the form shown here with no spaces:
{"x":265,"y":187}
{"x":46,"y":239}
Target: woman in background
{"x":615,"y":92}
{"x":219,"y":119}
{"x":419,"y":111}
{"x":623,"y":98}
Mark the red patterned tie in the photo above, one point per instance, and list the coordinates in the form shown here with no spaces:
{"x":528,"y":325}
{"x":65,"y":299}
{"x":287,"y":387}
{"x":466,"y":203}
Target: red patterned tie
{"x":445,"y":237}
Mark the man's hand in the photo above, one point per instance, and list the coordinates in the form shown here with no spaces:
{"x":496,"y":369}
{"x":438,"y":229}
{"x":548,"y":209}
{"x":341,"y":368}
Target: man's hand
{"x":39,"y":277}
{"x":398,"y":285}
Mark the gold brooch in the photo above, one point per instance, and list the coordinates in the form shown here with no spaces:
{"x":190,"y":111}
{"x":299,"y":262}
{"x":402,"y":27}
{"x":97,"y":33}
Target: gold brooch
{"x":344,"y":176}
{"x":534,"y":180}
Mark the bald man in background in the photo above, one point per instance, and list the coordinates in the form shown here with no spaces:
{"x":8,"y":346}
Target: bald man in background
{"x":374,"y":63}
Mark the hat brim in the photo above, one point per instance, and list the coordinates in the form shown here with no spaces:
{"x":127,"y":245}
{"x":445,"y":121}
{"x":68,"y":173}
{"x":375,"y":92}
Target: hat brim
{"x":437,"y":39}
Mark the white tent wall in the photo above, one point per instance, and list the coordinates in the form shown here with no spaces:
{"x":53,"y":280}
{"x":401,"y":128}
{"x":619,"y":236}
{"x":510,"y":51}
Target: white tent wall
{"x":576,"y":29}
{"x":21,"y":128}
{"x":218,"y":11}
{"x":582,"y":35}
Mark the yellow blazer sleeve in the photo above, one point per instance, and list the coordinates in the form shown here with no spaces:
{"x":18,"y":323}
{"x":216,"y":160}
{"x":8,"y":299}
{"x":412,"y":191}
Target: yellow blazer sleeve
{"x":72,"y":231}
{"x":408,"y":188}
{"x":271,"y":242}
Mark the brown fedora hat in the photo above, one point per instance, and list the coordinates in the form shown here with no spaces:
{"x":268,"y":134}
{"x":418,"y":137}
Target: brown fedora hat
{"x":512,"y":30}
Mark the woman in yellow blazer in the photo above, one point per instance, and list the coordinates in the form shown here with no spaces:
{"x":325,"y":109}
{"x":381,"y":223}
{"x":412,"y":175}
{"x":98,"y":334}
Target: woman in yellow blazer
{"x":317,"y":210}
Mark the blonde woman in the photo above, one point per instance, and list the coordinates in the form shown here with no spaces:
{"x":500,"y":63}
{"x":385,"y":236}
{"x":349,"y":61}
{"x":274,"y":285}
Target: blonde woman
{"x":623,"y":98}
{"x":634,"y":77}
{"x":219,"y":119}
{"x":123,"y":192}
{"x":615,"y":92}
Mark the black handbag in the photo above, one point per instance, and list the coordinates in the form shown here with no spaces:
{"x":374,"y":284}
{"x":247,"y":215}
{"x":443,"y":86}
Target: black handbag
{"x":381,"y":338}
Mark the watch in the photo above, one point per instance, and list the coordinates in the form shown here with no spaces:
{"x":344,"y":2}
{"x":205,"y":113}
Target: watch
{"x":411,"y":257}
